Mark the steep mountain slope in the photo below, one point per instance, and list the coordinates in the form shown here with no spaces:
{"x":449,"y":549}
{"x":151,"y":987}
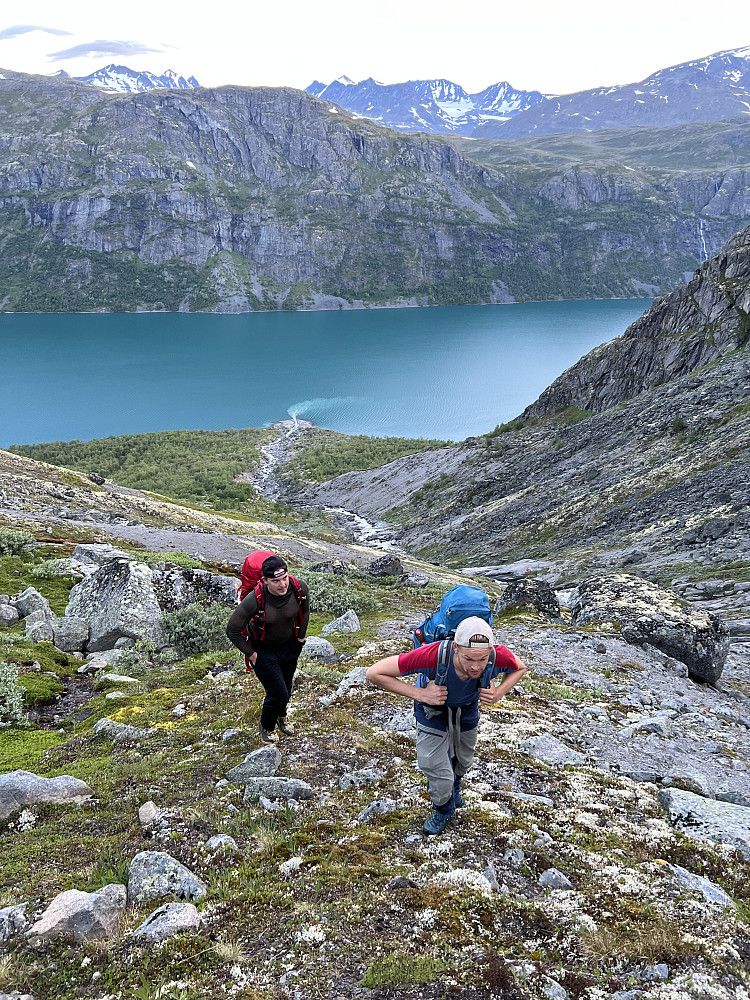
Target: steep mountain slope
{"x":235,"y":199}
{"x":660,"y":479}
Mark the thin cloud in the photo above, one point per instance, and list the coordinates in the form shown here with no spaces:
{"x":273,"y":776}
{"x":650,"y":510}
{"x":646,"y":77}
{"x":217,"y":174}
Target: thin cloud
{"x":103,"y":48}
{"x":23,"y":29}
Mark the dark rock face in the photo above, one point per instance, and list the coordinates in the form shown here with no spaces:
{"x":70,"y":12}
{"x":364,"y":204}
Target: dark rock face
{"x":694,"y":325}
{"x":534,"y":594}
{"x":385,"y":566}
{"x":649,"y":615}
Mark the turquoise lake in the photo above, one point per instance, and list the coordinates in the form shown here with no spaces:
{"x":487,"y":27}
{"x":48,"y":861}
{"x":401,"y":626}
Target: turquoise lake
{"x":441,"y":372}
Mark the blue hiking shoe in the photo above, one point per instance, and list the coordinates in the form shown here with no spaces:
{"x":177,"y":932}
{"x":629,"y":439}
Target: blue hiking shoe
{"x":437,"y":822}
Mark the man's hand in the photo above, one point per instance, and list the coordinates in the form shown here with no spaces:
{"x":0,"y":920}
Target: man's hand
{"x":490,"y":695}
{"x":433,"y":694}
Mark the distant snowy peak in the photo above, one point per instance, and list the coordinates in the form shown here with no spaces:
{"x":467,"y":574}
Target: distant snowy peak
{"x":425,"y":105}
{"x":121,"y":79}
{"x":713,"y":88}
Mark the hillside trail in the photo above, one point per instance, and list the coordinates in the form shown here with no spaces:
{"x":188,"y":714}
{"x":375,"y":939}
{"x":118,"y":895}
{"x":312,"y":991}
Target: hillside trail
{"x":265,"y":480}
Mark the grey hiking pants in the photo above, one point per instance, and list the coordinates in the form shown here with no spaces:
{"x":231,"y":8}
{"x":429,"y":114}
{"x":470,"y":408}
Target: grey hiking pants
{"x":443,"y":757}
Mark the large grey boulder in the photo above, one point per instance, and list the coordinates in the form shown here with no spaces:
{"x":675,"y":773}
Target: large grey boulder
{"x":70,"y":634}
{"x":548,"y":748}
{"x":276,"y":788}
{"x":118,"y":601}
{"x":649,"y":615}
{"x":707,"y":819}
{"x":155,"y":874}
{"x":13,"y":922}
{"x":119,"y":732}
{"x":176,"y":588}
{"x":262,"y":763}
{"x":168,"y":920}
{"x":22,"y":788}
{"x":385,"y":566}
{"x":347,"y":624}
{"x":84,"y":916}
{"x":317,"y":648}
{"x":31,"y":600}
{"x":8,"y":615}
{"x":98,"y":554}
{"x":533,"y":594}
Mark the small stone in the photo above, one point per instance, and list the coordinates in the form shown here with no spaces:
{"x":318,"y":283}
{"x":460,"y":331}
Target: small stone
{"x":347,"y":624}
{"x":276,"y":788}
{"x":221,"y":842}
{"x":554,"y":879}
{"x":262,"y":763}
{"x":229,"y":734}
{"x":655,"y":973}
{"x":149,"y":813}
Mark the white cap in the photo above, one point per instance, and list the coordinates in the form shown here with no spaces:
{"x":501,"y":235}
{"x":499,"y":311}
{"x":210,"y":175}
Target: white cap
{"x":471,"y":629}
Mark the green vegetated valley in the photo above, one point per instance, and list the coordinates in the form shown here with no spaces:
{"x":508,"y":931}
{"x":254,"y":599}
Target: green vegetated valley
{"x":235,"y":199}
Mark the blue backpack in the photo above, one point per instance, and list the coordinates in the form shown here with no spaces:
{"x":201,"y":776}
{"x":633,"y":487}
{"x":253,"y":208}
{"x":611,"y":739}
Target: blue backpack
{"x":460,"y":602}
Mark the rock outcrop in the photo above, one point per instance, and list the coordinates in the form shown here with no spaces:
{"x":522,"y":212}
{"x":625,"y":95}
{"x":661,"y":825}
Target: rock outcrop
{"x":22,"y":788}
{"x":697,"y":323}
{"x":118,"y":601}
{"x":649,"y":615}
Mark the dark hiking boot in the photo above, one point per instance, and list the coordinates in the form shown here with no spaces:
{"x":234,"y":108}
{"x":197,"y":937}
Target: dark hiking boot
{"x":437,"y":822}
{"x":458,"y":799}
{"x":284,"y":726}
{"x":266,"y":738}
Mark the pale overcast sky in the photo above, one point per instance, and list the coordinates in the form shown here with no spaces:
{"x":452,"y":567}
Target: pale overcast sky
{"x":538,"y":45}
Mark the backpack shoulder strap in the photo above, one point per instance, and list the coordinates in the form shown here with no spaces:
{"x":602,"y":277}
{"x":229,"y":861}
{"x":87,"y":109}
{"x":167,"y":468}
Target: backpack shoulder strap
{"x":445,"y":651}
{"x":487,"y":675}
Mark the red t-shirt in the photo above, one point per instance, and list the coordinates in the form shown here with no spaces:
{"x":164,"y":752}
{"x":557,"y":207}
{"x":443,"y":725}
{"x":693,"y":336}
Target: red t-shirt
{"x":463,"y":694}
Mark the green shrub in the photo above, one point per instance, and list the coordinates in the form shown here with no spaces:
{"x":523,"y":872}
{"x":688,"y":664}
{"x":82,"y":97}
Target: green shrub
{"x":11,"y":697}
{"x":678,"y":424}
{"x":48,"y":569}
{"x":334,"y":595}
{"x":198,"y":628}
{"x":13,"y":542}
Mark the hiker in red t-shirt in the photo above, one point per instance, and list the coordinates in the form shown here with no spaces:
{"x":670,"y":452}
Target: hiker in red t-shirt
{"x":447,"y":715}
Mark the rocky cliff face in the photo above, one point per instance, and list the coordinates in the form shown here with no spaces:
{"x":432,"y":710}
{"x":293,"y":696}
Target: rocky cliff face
{"x":699,"y":322}
{"x":236,"y":198}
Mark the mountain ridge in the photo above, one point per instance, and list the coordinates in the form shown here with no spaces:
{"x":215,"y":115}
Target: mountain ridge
{"x":712,"y":88}
{"x":236,"y":199}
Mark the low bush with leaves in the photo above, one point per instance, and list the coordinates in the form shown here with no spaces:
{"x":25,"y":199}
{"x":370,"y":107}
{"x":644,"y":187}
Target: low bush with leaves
{"x":335,"y":595}
{"x":11,"y":696}
{"x":12,"y":543}
{"x":198,"y":628}
{"x":48,"y":569}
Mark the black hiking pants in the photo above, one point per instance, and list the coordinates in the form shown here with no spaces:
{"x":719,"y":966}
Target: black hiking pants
{"x":275,"y":666}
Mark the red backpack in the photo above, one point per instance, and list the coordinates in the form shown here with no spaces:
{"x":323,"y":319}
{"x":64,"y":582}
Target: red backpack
{"x":252,"y":570}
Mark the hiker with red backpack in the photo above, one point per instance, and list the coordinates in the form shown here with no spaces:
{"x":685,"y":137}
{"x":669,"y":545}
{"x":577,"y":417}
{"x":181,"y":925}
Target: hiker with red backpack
{"x":269,"y":626}
{"x":455,"y":676}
